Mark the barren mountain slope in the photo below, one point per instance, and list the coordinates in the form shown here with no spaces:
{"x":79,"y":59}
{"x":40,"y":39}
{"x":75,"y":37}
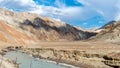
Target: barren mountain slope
{"x":10,"y":35}
{"x":38,"y":28}
{"x":110,"y":33}
{"x":51,"y":30}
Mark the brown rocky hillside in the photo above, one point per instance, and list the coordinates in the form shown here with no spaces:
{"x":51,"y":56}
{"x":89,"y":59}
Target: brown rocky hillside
{"x":10,"y":35}
{"x":22,"y":28}
{"x":110,"y":33}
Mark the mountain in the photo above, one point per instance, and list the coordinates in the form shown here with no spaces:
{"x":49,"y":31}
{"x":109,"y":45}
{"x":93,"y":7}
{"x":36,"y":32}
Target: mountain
{"x":110,"y":33}
{"x":111,"y":22}
{"x":10,"y":35}
{"x":25,"y":28}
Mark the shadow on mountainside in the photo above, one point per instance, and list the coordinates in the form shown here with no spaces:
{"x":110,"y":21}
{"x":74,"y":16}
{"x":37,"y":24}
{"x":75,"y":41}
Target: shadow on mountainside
{"x":63,"y":31}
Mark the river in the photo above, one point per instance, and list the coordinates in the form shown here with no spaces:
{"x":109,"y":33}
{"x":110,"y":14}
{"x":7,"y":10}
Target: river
{"x":27,"y":61}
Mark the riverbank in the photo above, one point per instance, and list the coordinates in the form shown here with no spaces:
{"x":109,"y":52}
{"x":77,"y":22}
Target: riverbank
{"x":7,"y":63}
{"x":28,"y":61}
{"x":72,"y":57}
{"x":80,"y":54}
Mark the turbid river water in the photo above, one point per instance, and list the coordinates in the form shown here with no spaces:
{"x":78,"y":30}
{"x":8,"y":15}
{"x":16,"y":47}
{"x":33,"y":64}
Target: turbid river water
{"x":27,"y":61}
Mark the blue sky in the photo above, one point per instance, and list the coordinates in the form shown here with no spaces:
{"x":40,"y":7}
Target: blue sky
{"x":84,"y":13}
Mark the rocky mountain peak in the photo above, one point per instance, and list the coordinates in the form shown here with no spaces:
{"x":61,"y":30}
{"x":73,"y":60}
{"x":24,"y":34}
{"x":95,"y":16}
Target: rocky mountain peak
{"x":110,"y":33}
{"x":40,"y":28}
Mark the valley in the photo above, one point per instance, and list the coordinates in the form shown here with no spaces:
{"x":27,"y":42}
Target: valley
{"x":48,"y":39}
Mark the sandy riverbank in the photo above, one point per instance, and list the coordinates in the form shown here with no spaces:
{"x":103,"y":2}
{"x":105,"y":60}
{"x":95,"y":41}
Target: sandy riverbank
{"x":72,"y":57}
{"x":6,"y":63}
{"x":78,"y":53}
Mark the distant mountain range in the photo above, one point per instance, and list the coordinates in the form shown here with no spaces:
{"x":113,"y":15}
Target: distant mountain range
{"x":111,"y":22}
{"x":21,"y":28}
{"x":110,"y":32}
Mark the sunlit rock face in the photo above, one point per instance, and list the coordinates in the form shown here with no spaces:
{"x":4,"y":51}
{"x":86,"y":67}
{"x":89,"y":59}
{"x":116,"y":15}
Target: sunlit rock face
{"x":23,"y":28}
{"x":50,"y":30}
{"x":110,"y":33}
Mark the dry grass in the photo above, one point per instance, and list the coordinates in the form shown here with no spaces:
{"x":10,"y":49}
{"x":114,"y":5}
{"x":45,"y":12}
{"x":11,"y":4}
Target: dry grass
{"x":90,"y":46}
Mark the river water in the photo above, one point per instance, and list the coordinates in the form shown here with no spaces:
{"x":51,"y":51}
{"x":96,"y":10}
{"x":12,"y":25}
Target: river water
{"x":27,"y":61}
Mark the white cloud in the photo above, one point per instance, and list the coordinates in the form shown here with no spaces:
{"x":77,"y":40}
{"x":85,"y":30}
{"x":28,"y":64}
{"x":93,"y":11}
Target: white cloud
{"x":56,"y":19}
{"x":83,"y":2}
{"x":118,"y":13}
{"x":117,"y":17}
{"x":59,"y":4}
{"x":18,"y":4}
{"x":107,"y":8}
{"x":64,"y":13}
{"x":61,"y":12}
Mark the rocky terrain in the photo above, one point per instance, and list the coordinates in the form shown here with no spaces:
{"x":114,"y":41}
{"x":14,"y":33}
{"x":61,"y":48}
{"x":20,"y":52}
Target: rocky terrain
{"x":7,"y":63}
{"x":109,"y":33}
{"x":73,"y":57}
{"x":10,"y":35}
{"x":112,"y":59}
{"x":82,"y":54}
{"x":23,"y":28}
{"x":55,"y":40}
